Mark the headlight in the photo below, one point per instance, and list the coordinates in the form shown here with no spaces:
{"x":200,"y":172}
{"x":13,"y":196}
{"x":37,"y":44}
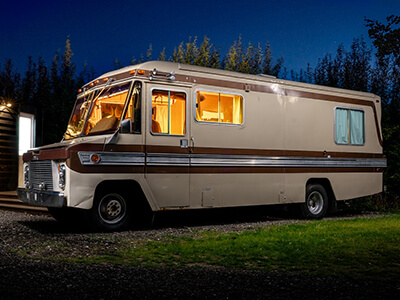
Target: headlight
{"x":26,"y":176}
{"x":61,"y":176}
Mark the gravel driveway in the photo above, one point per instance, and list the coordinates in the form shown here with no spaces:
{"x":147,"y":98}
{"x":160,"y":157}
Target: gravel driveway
{"x":22,"y":278}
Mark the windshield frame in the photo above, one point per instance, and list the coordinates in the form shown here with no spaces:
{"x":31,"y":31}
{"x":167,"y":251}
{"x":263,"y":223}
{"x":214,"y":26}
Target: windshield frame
{"x":92,"y":96}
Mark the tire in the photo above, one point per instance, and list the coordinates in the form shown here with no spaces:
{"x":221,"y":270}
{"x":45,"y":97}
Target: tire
{"x":316,"y":203}
{"x":110,"y":212}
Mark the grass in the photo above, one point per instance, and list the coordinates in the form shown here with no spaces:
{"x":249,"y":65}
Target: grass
{"x":367,"y":248}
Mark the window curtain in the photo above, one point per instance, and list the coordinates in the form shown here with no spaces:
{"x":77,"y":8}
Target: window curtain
{"x":237,"y":110}
{"x":162,"y":118}
{"x":356,"y":127}
{"x":341,"y":126}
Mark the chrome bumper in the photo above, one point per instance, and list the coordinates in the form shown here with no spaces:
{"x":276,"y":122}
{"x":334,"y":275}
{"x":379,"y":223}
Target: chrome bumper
{"x":41,"y":198}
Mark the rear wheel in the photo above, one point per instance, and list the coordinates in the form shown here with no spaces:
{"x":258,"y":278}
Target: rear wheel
{"x":316,"y":204}
{"x":110,"y":212}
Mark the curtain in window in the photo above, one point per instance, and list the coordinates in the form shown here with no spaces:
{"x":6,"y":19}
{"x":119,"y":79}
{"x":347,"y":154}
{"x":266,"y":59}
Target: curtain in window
{"x":237,"y":110}
{"x":356,"y":127}
{"x":341,"y":126}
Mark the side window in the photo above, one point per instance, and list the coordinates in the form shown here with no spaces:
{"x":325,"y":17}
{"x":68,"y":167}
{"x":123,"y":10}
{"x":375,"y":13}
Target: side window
{"x":218,"y":107}
{"x":168,"y":112}
{"x":349,"y":126}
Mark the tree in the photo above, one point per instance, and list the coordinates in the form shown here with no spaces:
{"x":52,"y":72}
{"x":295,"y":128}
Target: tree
{"x":267,"y":62}
{"x":162,"y":56}
{"x":9,"y":82}
{"x":149,"y":52}
{"x":204,"y":53}
{"x":386,"y":83}
{"x":357,"y":66}
{"x":179,"y":54}
{"x":386,"y":37}
{"x":29,"y":83}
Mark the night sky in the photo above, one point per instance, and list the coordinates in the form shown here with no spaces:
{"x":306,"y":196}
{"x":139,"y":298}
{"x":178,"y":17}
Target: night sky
{"x":102,"y":31}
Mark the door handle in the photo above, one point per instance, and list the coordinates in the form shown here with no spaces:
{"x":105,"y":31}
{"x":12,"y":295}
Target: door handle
{"x":192,"y":140}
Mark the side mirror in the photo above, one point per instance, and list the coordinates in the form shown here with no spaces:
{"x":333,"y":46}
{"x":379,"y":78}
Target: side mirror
{"x":126,"y":126}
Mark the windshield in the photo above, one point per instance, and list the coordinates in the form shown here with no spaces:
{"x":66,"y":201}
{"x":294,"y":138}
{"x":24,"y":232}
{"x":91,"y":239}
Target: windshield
{"x":98,"y":111}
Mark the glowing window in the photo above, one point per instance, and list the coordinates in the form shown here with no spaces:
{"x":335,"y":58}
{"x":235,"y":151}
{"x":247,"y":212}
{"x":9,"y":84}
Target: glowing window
{"x":168,"y":114}
{"x":218,"y":107}
{"x":26,"y":132}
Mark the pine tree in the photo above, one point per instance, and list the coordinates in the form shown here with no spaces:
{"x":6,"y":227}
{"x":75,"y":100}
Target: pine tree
{"x":149,"y":52}
{"x":231,"y":58}
{"x":204,"y":53}
{"x":29,"y":83}
{"x":191,"y":51}
{"x":162,"y":56}
{"x":267,"y":63}
{"x":178,"y":55}
{"x":215,"y":60}
{"x":10,"y":82}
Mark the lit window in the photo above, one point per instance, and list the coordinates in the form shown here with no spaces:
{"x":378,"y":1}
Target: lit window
{"x":219,"y":107}
{"x":168,"y":113}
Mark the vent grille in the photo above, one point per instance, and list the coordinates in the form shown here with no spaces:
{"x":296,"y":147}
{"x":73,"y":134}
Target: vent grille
{"x":41,"y":172}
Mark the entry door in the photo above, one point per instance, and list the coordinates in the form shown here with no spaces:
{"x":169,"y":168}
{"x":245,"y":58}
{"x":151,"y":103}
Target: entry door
{"x":167,"y":145}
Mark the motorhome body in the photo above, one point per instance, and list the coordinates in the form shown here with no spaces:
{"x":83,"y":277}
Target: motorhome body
{"x":176,"y":136}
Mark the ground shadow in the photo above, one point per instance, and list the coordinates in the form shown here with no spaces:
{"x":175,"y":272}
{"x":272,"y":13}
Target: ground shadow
{"x":183,"y":218}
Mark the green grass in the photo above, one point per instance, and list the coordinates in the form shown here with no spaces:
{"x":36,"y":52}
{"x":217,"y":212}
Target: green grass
{"x":363,"y":248}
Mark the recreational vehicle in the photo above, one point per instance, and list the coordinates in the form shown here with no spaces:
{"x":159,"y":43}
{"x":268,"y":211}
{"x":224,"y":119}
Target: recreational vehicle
{"x":168,"y":136}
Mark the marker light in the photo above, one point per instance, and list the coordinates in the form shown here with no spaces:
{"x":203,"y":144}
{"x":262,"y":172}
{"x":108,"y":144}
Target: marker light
{"x":95,"y":158}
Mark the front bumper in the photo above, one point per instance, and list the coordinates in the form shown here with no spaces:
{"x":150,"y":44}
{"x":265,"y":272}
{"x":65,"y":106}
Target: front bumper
{"x":41,"y":198}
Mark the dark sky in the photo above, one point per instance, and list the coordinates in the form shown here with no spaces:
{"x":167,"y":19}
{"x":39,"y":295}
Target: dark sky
{"x":102,"y":31}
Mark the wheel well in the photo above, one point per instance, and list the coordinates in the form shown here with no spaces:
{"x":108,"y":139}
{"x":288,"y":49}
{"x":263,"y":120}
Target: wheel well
{"x":326,"y":184}
{"x":129,"y":188}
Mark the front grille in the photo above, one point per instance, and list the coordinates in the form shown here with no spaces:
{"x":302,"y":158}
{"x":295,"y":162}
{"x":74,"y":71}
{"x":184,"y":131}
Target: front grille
{"x":40,"y":172}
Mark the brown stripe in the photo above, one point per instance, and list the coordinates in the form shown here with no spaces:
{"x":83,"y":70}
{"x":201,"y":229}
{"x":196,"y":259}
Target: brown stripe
{"x":283,"y":153}
{"x":74,"y":163}
{"x":166,"y":149}
{"x":64,"y":153}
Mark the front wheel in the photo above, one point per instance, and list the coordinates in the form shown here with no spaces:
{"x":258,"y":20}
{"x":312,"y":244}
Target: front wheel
{"x":110,"y":212}
{"x":316,"y":204}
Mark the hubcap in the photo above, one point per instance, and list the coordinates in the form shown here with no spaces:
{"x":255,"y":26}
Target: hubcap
{"x":112,"y":208}
{"x":315,"y":203}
